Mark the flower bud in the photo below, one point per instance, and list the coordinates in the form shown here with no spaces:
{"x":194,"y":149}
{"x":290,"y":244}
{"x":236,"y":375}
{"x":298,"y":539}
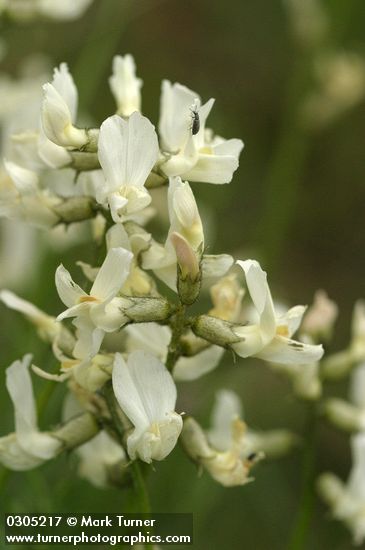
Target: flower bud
{"x":330,"y":488}
{"x":345,"y":416}
{"x":189,"y":273}
{"x":217,"y":331}
{"x":75,"y":209}
{"x":145,"y":310}
{"x":125,"y":86}
{"x":320,"y":317}
{"x":57,"y":120}
{"x":77,"y":431}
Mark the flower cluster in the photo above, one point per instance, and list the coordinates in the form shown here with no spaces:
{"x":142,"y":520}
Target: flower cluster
{"x":25,"y":10}
{"x":123,"y":345}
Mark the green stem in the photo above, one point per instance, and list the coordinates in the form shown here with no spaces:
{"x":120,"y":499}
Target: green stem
{"x":141,"y":493}
{"x":141,"y":499}
{"x":178,"y":326}
{"x":307,"y":497}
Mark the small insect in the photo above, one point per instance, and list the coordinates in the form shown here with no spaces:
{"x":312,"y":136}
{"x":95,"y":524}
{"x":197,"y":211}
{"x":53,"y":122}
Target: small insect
{"x":195,"y":123}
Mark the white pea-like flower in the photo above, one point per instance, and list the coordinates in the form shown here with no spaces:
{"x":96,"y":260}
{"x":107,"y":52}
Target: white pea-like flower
{"x":154,"y":339}
{"x":319,"y":319}
{"x":193,"y":155}
{"x":59,"y":110}
{"x":125,"y":86}
{"x":347,"y":500}
{"x":229,"y":467}
{"x":47,"y":326}
{"x":227,"y":414}
{"x":21,"y":197}
{"x":27,"y":447}
{"x":101,"y":459}
{"x":270,"y":338}
{"x":146,"y":393}
{"x":128,"y":150}
{"x":185,"y":241}
{"x":101,"y":310}
{"x":31,"y":9}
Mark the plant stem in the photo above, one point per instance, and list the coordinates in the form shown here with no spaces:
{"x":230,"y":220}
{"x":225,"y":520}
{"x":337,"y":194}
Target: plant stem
{"x":141,"y":493}
{"x":141,"y":499}
{"x":177,"y":327}
{"x":307,"y":497}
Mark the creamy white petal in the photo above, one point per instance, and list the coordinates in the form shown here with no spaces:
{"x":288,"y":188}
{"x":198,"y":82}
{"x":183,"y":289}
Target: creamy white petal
{"x":191,"y":368}
{"x":125,"y":86}
{"x":112,"y":274}
{"x":216,"y":265}
{"x":97,"y":456}
{"x":292,"y":319}
{"x":117,"y":237}
{"x":284,"y":350}
{"x":69,"y":292}
{"x":128,"y":150}
{"x":230,"y":147}
{"x":65,"y":86}
{"x":89,"y":338}
{"x":19,"y":386}
{"x":14,"y":457}
{"x":110,"y":316}
{"x":150,"y":337}
{"x":212,"y":168}
{"x":74,"y":311}
{"x":227,"y":407}
{"x":13,"y":301}
{"x":25,"y":180}
{"x":175,"y":115}
{"x":144,"y":388}
{"x":252,"y":341}
{"x":258,"y":288}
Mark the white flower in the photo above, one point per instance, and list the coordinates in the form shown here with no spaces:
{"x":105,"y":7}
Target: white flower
{"x":21,"y":197}
{"x":125,"y":86}
{"x":347,"y":501}
{"x":227,"y":467}
{"x":320,"y":317}
{"x":101,"y":456}
{"x":146,"y":393}
{"x":101,"y":310}
{"x":227,"y":297}
{"x":29,"y":9}
{"x":193,"y":157}
{"x":128,"y":150}
{"x":154,"y":339}
{"x":270,"y":339}
{"x":357,"y":387}
{"x":59,"y":109}
{"x":27,"y":447}
{"x":227,"y":415}
{"x":65,"y":10}
{"x":186,"y":225}
{"x":47,"y":325}
{"x":185,"y":239}
{"x":357,"y":346}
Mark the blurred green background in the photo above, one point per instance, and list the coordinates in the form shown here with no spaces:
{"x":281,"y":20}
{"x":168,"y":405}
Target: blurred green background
{"x":296,"y":204}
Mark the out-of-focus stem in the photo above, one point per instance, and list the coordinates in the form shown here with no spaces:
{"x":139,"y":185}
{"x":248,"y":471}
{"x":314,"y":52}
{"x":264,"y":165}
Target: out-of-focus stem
{"x":285,"y":168}
{"x":308,"y":496}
